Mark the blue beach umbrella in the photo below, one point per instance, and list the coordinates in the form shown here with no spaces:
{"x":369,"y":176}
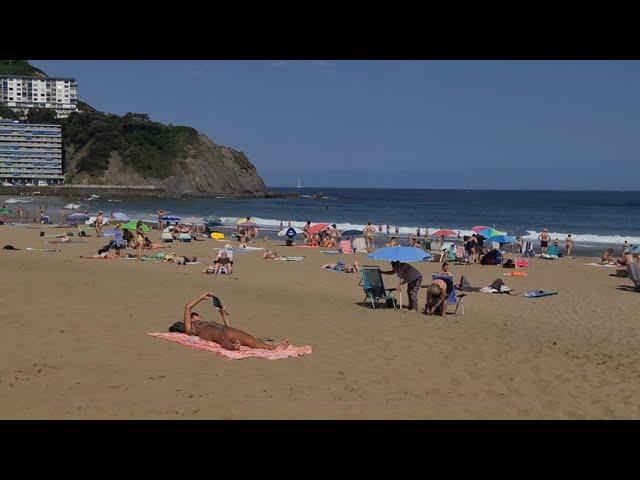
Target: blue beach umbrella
{"x":170,"y":218}
{"x":635,"y":249}
{"x":400,"y":254}
{"x":503,"y":239}
{"x":352,"y":233}
{"x":121,"y":217}
{"x":289,"y":232}
{"x":78,"y":217}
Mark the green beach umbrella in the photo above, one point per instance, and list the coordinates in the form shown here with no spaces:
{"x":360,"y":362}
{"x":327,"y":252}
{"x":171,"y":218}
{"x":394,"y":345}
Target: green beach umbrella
{"x":132,"y":226}
{"x":5,"y":211}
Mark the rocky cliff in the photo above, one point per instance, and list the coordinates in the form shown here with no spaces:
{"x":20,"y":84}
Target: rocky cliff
{"x":204,"y":169}
{"x":113,"y":150}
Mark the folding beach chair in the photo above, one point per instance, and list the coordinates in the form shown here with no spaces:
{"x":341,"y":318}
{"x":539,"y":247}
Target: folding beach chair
{"x":167,"y":237}
{"x":634,"y":274}
{"x":373,"y":286}
{"x":452,"y":299}
{"x":345,"y":246}
{"x":359,"y":245}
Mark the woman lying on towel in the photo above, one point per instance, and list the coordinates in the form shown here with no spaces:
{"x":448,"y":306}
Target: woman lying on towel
{"x":270,"y":255}
{"x":178,"y":259}
{"x":343,"y":267}
{"x":148,"y":244}
{"x":224,"y":335}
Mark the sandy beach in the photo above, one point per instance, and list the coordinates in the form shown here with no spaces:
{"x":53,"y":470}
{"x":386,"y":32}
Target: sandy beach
{"x":74,"y":343}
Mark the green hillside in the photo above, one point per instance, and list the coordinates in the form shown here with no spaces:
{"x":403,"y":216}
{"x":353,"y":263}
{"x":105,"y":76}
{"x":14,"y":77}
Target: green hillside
{"x":149,"y":148}
{"x":20,"y":67}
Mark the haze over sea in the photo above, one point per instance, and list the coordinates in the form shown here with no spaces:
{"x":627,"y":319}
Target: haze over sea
{"x":594,"y":218}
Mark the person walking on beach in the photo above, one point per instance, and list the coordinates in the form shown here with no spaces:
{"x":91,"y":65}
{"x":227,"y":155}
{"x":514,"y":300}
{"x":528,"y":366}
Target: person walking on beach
{"x":397,"y":229}
{"x":544,"y":238}
{"x":369,"y":230}
{"x":225,"y":335}
{"x":281,"y":224}
{"x":418,"y":232}
{"x":98,"y":224}
{"x":139,"y":239}
{"x":410,"y":276}
{"x":41,"y":213}
{"x":305,"y":232}
{"x":568,"y":244}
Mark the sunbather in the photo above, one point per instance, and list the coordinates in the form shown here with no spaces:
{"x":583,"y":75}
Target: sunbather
{"x":269,"y":255}
{"x":607,"y":257}
{"x":393,"y":242}
{"x":178,"y":259}
{"x":343,"y":267}
{"x":223,"y":261}
{"x":224,"y":335}
{"x":445,"y":270}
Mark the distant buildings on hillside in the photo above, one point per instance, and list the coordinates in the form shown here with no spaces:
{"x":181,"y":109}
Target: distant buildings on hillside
{"x":21,"y":94}
{"x":30,"y":153}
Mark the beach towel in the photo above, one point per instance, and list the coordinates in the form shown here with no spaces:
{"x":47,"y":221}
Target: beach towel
{"x":548,"y":257}
{"x":192,"y":263}
{"x":516,"y":274}
{"x":306,"y":246}
{"x":244,"y":352}
{"x":538,"y":293}
{"x":55,"y":250}
{"x":345,"y":246}
{"x":291,"y":259}
{"x":600,"y":265}
{"x":522,"y":263}
{"x":331,"y":252}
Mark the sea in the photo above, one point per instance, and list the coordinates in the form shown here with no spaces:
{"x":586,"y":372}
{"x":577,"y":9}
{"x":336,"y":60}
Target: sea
{"x":595,"y":219}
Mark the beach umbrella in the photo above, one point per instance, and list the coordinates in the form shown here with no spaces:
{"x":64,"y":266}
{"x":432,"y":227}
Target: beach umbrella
{"x":635,"y":249}
{"x":212,"y":219}
{"x":72,"y":206}
{"x":489,"y":232}
{"x":317,"y":227}
{"x":503,"y":239}
{"x":78,"y":217}
{"x":170,"y":218}
{"x":352,"y":233}
{"x":445,"y":233}
{"x":479,"y":228}
{"x":285,"y":232}
{"x":401,"y":254}
{"x":121,"y":217}
{"x":244,"y":220}
{"x":5,"y":211}
{"x":131,"y":226}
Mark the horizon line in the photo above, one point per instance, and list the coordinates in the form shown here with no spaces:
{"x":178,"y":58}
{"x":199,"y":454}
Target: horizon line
{"x":467,"y":188}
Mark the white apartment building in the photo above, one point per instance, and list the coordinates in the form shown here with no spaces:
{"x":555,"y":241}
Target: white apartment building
{"x":22,"y":93}
{"x":30,"y":153}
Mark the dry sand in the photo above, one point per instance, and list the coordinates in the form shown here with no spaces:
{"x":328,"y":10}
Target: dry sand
{"x":74,"y":346}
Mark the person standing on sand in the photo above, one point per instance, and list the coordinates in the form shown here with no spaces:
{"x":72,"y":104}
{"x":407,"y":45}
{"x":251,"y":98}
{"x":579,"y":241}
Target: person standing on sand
{"x":397,"y":229}
{"x":98,"y":224}
{"x":625,"y":248}
{"x":139,"y":239}
{"x":281,"y":224}
{"x":544,"y":238}
{"x":225,"y":335}
{"x":161,"y":213}
{"x":305,"y":232}
{"x":568,"y":244}
{"x":41,"y":213}
{"x":409,"y":275}
{"x":418,"y":232}
{"x":388,"y":229}
{"x":368,"y":231}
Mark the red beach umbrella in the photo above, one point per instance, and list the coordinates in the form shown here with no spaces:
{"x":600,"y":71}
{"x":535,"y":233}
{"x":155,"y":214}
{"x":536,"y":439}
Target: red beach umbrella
{"x":317,"y":227}
{"x":479,"y":228}
{"x":445,"y":233}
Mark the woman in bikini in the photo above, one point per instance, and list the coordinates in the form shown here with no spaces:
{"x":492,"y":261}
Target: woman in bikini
{"x":139,"y":239}
{"x":224,"y":335}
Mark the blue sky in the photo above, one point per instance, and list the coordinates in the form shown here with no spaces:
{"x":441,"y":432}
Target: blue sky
{"x":424,"y":124}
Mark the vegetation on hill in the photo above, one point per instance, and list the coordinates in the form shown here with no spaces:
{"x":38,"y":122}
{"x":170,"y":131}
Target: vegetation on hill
{"x":149,"y":148}
{"x":20,"y":67}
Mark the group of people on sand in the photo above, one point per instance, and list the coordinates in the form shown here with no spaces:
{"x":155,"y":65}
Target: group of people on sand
{"x":327,"y":237}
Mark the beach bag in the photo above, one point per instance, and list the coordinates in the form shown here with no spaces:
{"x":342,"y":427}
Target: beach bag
{"x":177,"y":327}
{"x":508,"y":264}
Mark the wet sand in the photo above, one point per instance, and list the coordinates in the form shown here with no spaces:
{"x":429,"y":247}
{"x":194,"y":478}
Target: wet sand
{"x":74,"y":343}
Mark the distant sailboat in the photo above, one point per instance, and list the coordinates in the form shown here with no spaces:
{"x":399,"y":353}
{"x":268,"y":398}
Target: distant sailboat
{"x":299,"y":184}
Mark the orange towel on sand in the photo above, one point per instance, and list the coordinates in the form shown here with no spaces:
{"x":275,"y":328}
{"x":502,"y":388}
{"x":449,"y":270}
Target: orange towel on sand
{"x":244,"y":352}
{"x":517,"y":274}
